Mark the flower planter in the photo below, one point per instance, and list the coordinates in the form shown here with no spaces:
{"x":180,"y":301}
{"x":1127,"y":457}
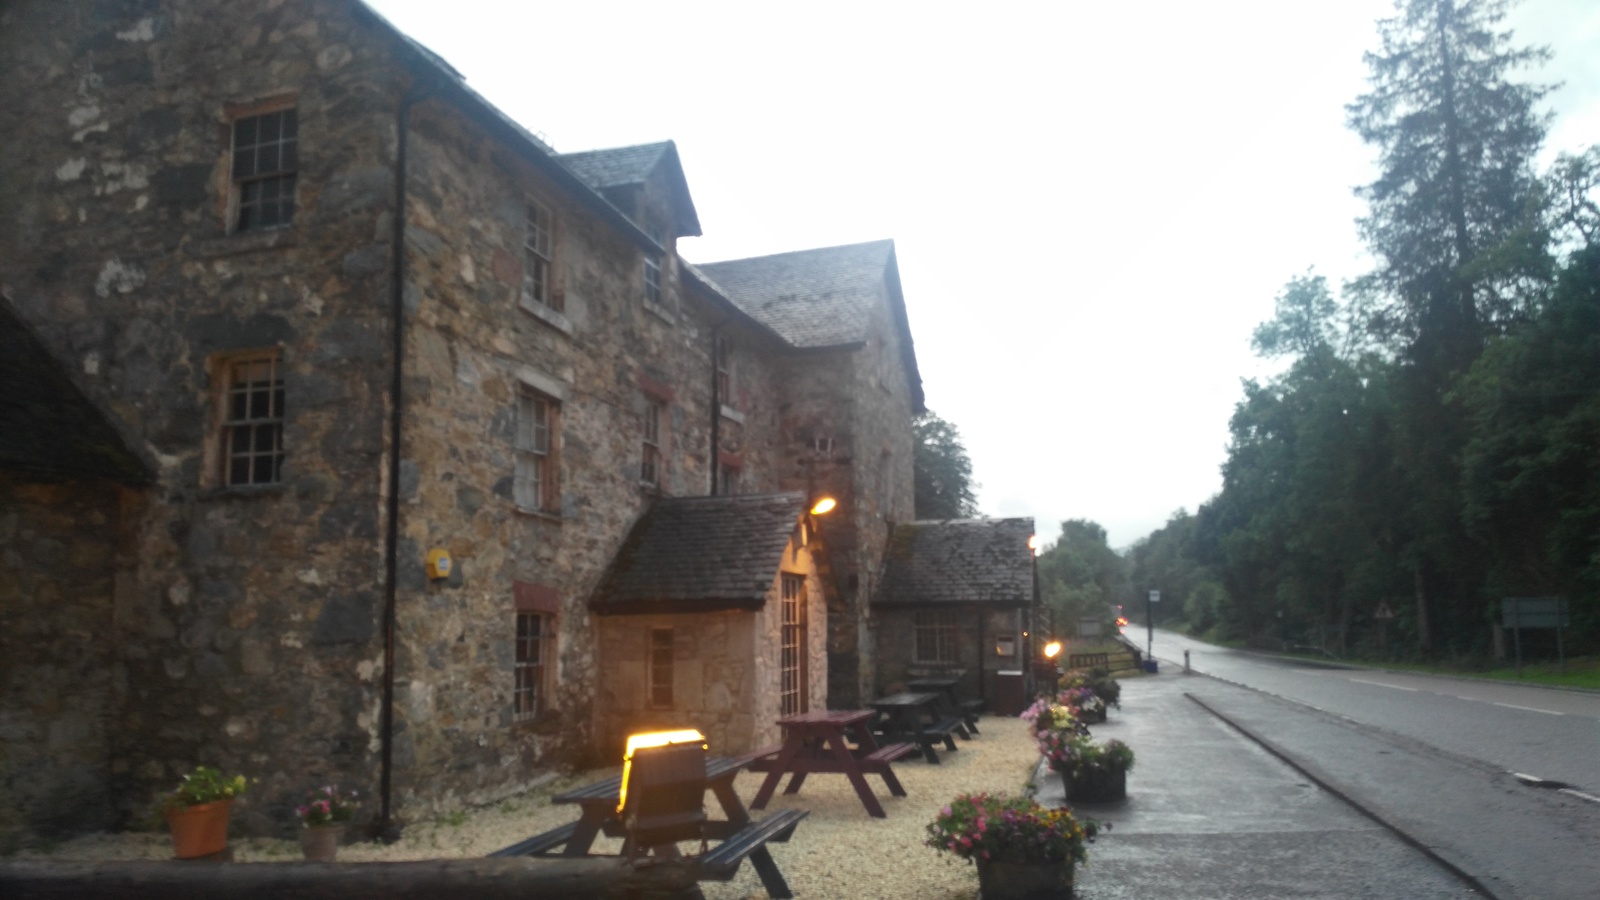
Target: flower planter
{"x":321,"y":842}
{"x":1001,"y":880}
{"x":200,"y":830}
{"x":1095,"y":787}
{"x":1092,"y":717}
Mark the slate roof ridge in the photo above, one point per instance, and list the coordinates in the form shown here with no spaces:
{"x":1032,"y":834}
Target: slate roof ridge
{"x":608,"y":166}
{"x":887,"y":242}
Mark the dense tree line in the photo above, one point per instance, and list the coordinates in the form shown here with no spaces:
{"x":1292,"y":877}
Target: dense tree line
{"x":1434,"y":442}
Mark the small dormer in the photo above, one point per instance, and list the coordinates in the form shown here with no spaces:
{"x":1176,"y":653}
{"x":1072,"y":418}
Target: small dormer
{"x":646,"y":182}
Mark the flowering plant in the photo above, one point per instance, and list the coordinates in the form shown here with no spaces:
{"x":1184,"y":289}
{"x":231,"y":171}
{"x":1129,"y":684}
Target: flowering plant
{"x":1081,"y":698}
{"x":1048,"y":715}
{"x":327,"y":805}
{"x":203,"y":785}
{"x":1009,"y":829}
{"x":1080,"y":757}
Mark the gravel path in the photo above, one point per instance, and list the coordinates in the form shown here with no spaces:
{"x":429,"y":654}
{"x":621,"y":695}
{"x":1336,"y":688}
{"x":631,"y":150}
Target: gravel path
{"x":835,"y":852}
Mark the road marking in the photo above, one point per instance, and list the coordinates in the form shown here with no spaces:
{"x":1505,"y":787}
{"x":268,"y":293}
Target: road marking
{"x":1580,"y":794}
{"x":1548,"y":712}
{"x":1381,"y":684}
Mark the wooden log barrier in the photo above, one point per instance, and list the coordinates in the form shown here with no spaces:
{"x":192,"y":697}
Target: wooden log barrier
{"x":611,"y":878}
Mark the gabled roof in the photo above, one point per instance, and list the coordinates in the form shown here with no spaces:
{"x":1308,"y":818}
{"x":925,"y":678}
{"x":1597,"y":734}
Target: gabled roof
{"x":814,"y":298}
{"x":823,"y":297}
{"x":627,"y":166}
{"x":47,"y":425}
{"x":697,"y":554}
{"x":960,"y":561}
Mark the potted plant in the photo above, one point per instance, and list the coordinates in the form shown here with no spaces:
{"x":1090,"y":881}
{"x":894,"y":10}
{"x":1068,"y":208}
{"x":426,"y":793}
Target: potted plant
{"x":1090,"y":772}
{"x":197,"y":812}
{"x":1047,"y":714}
{"x":1105,"y":687}
{"x":1091,"y":710}
{"x":323,"y":819}
{"x":1021,"y":849}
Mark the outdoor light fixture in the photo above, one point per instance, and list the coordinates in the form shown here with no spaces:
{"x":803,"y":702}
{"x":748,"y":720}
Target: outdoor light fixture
{"x":662,"y":798}
{"x":1052,"y":649}
{"x":824,"y":506}
{"x":1033,"y":543}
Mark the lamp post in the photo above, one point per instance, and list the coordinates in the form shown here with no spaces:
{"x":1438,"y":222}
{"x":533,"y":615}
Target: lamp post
{"x":1151,"y":599}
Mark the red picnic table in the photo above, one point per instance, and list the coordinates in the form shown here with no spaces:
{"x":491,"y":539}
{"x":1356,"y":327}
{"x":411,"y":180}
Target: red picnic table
{"x":814,"y":742}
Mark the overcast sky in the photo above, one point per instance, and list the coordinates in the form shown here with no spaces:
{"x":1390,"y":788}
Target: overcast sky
{"x":1093,"y":204}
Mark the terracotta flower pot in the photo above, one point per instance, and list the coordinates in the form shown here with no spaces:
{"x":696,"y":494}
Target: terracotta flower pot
{"x":321,"y":842}
{"x":1001,"y":880}
{"x":200,"y":830}
{"x":1099,"y":787}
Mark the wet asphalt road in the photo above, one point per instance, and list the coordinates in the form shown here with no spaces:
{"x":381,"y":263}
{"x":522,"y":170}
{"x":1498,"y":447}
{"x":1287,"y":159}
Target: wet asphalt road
{"x":1430,"y":758}
{"x":1551,"y":734}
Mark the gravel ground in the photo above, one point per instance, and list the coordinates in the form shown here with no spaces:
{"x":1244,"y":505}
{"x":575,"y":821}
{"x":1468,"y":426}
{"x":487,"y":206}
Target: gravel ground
{"x":839,"y":851}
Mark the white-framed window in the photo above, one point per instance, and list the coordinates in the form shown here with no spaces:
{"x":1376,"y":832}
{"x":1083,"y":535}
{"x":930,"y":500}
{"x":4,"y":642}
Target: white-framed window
{"x":265,"y":163}
{"x":538,"y":257}
{"x":660,"y":668}
{"x":250,"y":442}
{"x":792,"y":653}
{"x":652,"y":281}
{"x":534,"y":655}
{"x":535,"y":482}
{"x":650,"y":465}
{"x":935,"y":632}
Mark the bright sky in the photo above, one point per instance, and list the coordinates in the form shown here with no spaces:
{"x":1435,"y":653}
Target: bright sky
{"x":1093,"y":204}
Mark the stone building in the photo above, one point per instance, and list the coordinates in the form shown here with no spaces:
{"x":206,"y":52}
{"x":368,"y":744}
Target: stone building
{"x":379,"y":407}
{"x":958,"y":598}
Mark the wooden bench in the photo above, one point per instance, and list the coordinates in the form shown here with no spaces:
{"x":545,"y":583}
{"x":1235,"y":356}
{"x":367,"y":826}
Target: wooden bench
{"x":722,"y":862}
{"x":1089,"y":661}
{"x":969,"y":711}
{"x":540,"y":844}
{"x":889,"y":753}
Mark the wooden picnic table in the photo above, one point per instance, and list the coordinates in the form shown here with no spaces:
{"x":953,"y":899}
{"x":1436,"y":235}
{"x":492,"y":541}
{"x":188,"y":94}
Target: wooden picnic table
{"x":814,"y":742}
{"x":915,"y":717}
{"x":949,"y":703}
{"x":598,"y":805}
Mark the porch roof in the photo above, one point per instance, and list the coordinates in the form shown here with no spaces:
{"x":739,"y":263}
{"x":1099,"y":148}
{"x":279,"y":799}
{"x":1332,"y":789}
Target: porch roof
{"x":959,"y":561}
{"x":699,"y":554}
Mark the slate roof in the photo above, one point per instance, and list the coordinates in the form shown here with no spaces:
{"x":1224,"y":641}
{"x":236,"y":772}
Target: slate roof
{"x":813,"y":298}
{"x":697,"y":554}
{"x":960,"y":561}
{"x":623,"y":166}
{"x":47,"y":425}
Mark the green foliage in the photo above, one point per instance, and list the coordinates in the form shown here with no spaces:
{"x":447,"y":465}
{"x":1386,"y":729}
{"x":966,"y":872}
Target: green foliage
{"x":203,"y":785}
{"x":942,"y":471}
{"x":1080,"y":575}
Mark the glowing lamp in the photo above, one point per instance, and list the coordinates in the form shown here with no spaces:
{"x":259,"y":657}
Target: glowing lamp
{"x":824,"y":506}
{"x":662,"y":798}
{"x":1052,"y":649}
{"x":1033,"y":543}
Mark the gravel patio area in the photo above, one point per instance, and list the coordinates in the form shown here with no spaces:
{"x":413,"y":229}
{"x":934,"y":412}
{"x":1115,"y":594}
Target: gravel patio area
{"x":839,"y":851}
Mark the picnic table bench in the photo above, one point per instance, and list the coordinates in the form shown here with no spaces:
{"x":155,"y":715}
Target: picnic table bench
{"x":815,"y":742}
{"x":949,"y":703}
{"x":916,"y":718}
{"x":1088,"y":660}
{"x":736,"y":837}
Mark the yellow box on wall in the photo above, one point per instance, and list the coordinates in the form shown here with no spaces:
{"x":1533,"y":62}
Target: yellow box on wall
{"x":439,"y":563}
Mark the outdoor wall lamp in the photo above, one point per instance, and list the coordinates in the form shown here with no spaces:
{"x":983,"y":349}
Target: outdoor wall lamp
{"x":1052,"y":649}
{"x":823,"y":506}
{"x":1033,"y":543}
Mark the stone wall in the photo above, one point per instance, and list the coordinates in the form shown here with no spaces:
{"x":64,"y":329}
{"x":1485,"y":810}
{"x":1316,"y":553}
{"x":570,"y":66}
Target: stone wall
{"x":60,"y":684}
{"x":249,"y":627}
{"x":726,"y":670}
{"x":977,"y":661}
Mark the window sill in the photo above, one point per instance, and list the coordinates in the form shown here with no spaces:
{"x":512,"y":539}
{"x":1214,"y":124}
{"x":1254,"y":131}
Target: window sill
{"x":243,"y":491}
{"x":661,"y":312}
{"x":546,"y":515}
{"x":731,"y":414}
{"x":546,"y":315}
{"x":243,"y":242}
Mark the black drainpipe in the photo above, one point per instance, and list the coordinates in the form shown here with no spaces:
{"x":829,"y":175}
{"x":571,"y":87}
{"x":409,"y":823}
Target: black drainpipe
{"x":385,"y":827}
{"x":716,"y":411}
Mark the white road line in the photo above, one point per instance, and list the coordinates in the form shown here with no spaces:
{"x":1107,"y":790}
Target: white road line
{"x":1381,"y":684}
{"x":1590,"y":797}
{"x":1548,"y":712}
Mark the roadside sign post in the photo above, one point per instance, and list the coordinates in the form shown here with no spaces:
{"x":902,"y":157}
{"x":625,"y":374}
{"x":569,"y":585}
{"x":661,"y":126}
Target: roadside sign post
{"x":1153,"y":598}
{"x":1518,"y":613}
